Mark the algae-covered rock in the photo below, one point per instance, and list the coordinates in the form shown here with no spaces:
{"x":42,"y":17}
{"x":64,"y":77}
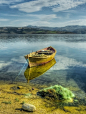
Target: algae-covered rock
{"x":57,"y":92}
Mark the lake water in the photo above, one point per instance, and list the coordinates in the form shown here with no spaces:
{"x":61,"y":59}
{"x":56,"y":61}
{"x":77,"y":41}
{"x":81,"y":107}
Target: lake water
{"x":68,"y":71}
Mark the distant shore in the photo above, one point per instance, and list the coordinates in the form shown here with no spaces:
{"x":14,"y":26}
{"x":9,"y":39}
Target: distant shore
{"x":26,"y":30}
{"x":73,"y":29}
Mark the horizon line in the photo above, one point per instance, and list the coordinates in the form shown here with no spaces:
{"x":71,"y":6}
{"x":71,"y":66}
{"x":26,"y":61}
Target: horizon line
{"x":42,"y":26}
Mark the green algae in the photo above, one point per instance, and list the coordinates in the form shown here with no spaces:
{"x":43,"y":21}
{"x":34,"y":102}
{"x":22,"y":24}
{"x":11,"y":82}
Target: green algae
{"x":57,"y":92}
{"x":27,"y":94}
{"x":16,"y":99}
{"x":23,"y":102}
{"x":7,"y":102}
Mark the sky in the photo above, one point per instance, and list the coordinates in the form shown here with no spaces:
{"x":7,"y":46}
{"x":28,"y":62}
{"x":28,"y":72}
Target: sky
{"x":49,"y":13}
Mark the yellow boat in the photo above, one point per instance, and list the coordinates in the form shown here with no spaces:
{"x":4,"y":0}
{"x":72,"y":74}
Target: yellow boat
{"x":33,"y":72}
{"x":40,"y":57}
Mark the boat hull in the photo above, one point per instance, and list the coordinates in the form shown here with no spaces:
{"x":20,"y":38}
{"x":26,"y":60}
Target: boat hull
{"x":36,"y":61}
{"x":33,"y":72}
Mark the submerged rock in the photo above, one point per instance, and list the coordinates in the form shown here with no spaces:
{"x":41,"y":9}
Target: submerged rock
{"x":57,"y":92}
{"x":28,"y":107}
{"x":20,"y":87}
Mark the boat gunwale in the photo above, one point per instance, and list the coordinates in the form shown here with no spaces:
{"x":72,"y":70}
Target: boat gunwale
{"x":39,"y":56}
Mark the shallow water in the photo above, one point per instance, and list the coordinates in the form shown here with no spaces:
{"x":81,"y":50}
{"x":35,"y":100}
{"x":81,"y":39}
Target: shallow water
{"x":68,"y":71}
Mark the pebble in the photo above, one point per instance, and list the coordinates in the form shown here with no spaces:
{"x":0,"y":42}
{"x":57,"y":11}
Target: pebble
{"x":20,"y":87}
{"x":32,"y":88}
{"x":28,"y":107}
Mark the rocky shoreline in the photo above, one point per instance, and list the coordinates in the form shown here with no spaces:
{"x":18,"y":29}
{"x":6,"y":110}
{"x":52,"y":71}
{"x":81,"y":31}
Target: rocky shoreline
{"x":13,"y":96}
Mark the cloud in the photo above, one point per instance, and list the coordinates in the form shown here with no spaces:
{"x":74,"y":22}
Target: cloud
{"x":10,"y":15}
{"x":56,"y":5}
{"x":9,"y":1}
{"x":19,"y":60}
{"x":41,"y":20}
{"x":42,"y":16}
{"x":48,"y":17}
{"x":44,"y":20}
{"x":4,"y":19}
{"x":65,"y":62}
{"x":79,"y":46}
{"x":41,"y":23}
{"x":73,"y":22}
{"x":60,"y":24}
{"x":28,"y":7}
{"x":4,"y":64}
{"x":68,"y":4}
{"x":2,"y":47}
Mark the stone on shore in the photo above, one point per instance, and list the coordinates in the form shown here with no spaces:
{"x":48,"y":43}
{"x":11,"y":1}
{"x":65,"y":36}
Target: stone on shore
{"x":28,"y":107}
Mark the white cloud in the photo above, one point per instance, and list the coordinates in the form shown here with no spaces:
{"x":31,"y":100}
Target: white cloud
{"x":44,"y":20}
{"x":2,"y":47}
{"x":41,"y":23}
{"x":39,"y":16}
{"x":68,"y":4}
{"x":73,"y":22}
{"x":28,"y":6}
{"x":65,"y":62}
{"x":80,"y":45}
{"x":41,"y":20}
{"x":9,"y":1}
{"x":51,"y":20}
{"x":43,"y":16}
{"x":4,"y":19}
{"x":21,"y":59}
{"x":48,"y":17}
{"x":56,"y":5}
{"x":4,"y":64}
{"x":60,"y":24}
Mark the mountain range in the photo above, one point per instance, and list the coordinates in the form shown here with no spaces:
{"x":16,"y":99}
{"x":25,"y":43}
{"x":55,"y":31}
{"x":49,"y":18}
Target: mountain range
{"x":76,"y":29}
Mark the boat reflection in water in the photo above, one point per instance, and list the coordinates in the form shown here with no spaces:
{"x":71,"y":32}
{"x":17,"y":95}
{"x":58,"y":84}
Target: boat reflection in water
{"x":33,"y":72}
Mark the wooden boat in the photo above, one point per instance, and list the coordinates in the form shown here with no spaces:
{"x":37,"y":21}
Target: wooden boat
{"x":33,"y":72}
{"x":40,"y":57}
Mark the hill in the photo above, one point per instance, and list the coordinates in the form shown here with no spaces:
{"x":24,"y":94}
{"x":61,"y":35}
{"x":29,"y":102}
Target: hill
{"x":43,"y":30}
{"x":74,"y":29}
{"x":27,"y":30}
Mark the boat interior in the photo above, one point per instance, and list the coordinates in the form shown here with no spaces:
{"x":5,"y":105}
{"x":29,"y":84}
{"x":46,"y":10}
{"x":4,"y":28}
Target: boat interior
{"x":46,"y":51}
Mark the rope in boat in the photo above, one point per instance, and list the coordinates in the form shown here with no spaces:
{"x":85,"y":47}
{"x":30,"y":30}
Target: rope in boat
{"x":21,"y":69}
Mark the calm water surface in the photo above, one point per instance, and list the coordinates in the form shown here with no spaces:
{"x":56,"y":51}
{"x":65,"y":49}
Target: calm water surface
{"x":68,"y":71}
